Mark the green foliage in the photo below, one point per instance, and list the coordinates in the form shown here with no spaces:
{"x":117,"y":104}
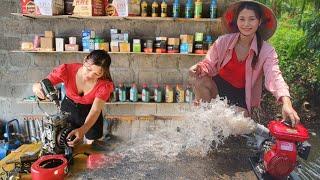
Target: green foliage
{"x":299,"y":55}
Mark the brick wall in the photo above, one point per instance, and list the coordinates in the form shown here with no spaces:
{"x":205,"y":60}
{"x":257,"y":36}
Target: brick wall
{"x":19,"y":70}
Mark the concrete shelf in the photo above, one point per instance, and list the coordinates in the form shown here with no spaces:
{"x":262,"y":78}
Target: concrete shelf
{"x":107,"y":103}
{"x":125,"y":53}
{"x":132,"y":18}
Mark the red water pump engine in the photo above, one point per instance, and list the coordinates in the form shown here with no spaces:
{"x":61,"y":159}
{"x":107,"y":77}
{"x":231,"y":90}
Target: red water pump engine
{"x":278,"y":153}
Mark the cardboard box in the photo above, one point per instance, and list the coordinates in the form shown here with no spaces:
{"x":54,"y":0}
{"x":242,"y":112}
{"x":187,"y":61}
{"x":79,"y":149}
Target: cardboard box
{"x":134,"y":7}
{"x":49,"y":34}
{"x":71,"y":47}
{"x":46,"y":44}
{"x":28,"y":7}
{"x":118,"y":8}
{"x":114,"y":46}
{"x":59,"y":44}
{"x":186,"y":38}
{"x":89,"y":7}
{"x":26,"y":46}
{"x":124,"y":47}
{"x":104,"y":46}
{"x":49,"y":7}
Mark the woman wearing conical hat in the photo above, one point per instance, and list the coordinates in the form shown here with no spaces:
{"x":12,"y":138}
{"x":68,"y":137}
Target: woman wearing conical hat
{"x":236,"y":63}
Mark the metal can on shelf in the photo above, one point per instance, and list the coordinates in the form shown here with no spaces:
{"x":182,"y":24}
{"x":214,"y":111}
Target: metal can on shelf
{"x":148,"y":46}
{"x":136,"y":45}
{"x":161,"y":45}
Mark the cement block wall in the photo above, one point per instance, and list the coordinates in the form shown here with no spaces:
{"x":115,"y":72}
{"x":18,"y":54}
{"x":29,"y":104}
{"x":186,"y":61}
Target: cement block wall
{"x":18,"y":71}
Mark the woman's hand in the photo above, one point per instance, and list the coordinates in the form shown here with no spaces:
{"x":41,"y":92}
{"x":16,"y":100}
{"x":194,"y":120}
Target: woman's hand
{"x":78,"y":135}
{"x":195,"y":71}
{"x":37,"y":90}
{"x":288,"y":112}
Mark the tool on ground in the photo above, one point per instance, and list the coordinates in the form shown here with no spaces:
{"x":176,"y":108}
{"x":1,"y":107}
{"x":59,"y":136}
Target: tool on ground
{"x":12,"y":140}
{"x":277,"y":149}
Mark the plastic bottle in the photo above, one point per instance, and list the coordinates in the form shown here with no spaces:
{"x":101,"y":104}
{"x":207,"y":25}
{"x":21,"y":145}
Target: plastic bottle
{"x":115,"y":95}
{"x":164,"y":8}
{"x":188,"y":9}
{"x":179,"y":94}
{"x":133,"y":93}
{"x":213,"y":9}
{"x":169,"y":94}
{"x":198,"y":9}
{"x":189,"y":95}
{"x":157,"y":93}
{"x":144,"y":8}
{"x":176,"y":9}
{"x":122,"y":93}
{"x":145,"y":93}
{"x":155,"y":9}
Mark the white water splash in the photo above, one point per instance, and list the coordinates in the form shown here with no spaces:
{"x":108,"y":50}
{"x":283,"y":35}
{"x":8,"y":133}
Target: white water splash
{"x":214,"y":121}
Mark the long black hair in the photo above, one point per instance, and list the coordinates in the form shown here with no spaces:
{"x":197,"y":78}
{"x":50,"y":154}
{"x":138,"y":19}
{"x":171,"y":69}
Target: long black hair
{"x":258,"y":12}
{"x":101,"y":58}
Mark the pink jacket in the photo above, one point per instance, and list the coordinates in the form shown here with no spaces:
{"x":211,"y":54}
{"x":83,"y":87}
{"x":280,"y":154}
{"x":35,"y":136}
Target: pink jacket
{"x":220,"y":53}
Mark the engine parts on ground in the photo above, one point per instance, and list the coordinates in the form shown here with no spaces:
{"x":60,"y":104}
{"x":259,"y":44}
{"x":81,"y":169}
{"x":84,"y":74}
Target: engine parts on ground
{"x":54,"y":134}
{"x":50,"y":167}
{"x":55,"y":129}
{"x":278,"y":147}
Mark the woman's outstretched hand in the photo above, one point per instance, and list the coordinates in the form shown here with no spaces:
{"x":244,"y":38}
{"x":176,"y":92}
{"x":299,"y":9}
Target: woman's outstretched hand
{"x":195,"y":71}
{"x":75,"y":136}
{"x":37,"y":90}
{"x":288,"y":113}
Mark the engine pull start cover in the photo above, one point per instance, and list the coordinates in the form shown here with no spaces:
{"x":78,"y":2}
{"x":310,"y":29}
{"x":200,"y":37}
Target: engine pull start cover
{"x":283,"y":132}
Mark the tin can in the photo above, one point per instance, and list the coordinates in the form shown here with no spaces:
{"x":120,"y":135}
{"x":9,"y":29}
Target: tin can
{"x":148,"y":46}
{"x":136,"y":45}
{"x":198,"y":36}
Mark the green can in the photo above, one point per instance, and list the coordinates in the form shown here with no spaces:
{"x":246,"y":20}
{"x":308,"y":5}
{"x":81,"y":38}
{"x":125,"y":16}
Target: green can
{"x":136,"y":45}
{"x":198,"y":37}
